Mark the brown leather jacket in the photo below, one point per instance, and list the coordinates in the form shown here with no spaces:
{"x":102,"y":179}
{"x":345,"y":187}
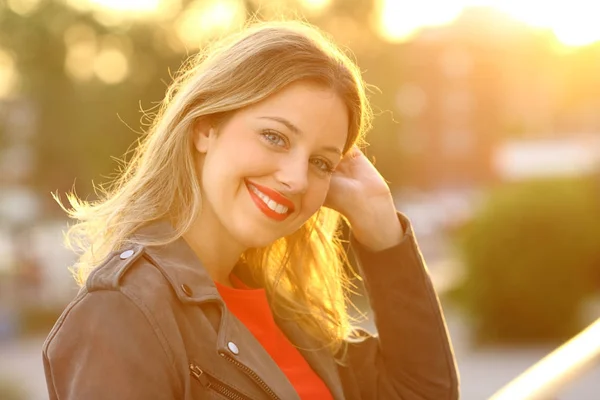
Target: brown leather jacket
{"x":150,"y":324}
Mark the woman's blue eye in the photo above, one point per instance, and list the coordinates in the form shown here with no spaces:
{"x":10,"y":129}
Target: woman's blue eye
{"x":274,"y":138}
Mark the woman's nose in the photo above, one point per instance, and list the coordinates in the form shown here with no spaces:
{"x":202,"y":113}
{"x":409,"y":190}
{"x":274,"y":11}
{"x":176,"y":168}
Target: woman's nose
{"x":293,"y":175}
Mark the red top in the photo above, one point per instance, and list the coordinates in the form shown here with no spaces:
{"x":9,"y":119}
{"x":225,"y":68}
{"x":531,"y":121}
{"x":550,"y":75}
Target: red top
{"x":250,"y":306}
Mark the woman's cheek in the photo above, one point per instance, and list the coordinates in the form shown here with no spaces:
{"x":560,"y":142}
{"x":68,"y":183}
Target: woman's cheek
{"x":315,"y":197}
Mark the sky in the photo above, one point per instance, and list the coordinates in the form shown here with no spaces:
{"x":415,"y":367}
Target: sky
{"x":572,"y":21}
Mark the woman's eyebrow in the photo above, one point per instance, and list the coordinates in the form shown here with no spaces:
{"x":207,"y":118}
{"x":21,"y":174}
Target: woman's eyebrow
{"x":285,"y":122}
{"x":297,"y":131}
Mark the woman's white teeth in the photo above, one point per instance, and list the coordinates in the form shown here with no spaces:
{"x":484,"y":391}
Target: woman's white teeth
{"x":272,"y":204}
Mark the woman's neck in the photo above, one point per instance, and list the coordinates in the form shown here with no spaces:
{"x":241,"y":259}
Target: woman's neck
{"x":215,"y":248}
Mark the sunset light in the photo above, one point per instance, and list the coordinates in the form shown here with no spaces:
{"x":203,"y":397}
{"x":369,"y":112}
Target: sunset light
{"x":8,"y":74}
{"x":398,"y":21}
{"x":130,"y":5}
{"x":317,"y":5}
{"x":574,"y":22}
{"x":204,"y":18}
{"x":474,"y":123}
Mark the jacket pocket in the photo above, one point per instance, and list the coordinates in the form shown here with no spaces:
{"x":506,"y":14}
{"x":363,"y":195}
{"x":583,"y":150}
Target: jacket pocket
{"x":211,"y":383}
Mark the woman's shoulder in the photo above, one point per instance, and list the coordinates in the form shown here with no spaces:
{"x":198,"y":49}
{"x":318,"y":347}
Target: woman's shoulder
{"x":130,"y":272}
{"x":123,"y":285}
{"x":126,"y":309}
{"x":128,"y":292}
{"x":158,"y":281}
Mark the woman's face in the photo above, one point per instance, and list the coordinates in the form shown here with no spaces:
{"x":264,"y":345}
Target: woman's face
{"x":267,"y":170}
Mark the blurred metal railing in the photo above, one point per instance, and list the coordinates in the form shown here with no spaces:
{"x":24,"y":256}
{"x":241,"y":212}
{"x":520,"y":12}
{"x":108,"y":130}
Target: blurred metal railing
{"x":555,"y":371}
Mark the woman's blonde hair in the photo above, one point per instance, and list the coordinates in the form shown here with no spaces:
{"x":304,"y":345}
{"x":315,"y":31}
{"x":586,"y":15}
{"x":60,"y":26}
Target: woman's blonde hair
{"x":304,"y":273}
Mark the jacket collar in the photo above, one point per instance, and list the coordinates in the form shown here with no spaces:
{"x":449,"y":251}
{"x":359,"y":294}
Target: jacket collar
{"x":192,"y":284}
{"x":178,"y":263}
{"x":182,"y":267}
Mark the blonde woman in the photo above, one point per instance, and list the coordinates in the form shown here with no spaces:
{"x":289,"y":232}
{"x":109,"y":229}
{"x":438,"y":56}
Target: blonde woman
{"x":213,"y":268}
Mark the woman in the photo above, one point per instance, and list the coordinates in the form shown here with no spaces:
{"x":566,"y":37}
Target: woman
{"x":213,"y":268}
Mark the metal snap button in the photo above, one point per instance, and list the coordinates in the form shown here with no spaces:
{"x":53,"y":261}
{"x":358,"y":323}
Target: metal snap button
{"x":233,"y":348}
{"x":126,"y":254}
{"x":187,"y":290}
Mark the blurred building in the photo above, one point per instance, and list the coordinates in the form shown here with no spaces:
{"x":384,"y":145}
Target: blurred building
{"x":470,"y":87}
{"x":566,"y":156}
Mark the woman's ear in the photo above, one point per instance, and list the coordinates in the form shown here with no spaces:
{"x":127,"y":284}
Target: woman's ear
{"x":202,"y":135}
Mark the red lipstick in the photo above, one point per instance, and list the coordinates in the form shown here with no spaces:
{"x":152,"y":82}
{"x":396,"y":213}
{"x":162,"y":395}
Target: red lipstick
{"x":273,"y":195}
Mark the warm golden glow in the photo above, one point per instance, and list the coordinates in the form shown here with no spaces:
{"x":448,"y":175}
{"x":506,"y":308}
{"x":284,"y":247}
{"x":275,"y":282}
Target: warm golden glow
{"x":578,"y":25}
{"x":8,"y":75}
{"x":114,"y":11}
{"x":129,"y":5}
{"x":89,"y":55}
{"x":400,"y":20}
{"x":557,"y":369}
{"x":111,"y":65}
{"x":206,"y":18}
{"x":23,"y":7}
{"x":574,"y":22}
{"x":80,"y":41}
{"x":316,"y":5}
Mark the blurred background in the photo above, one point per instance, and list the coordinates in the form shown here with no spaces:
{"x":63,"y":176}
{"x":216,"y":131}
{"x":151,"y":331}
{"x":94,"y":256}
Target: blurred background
{"x":487,"y":128}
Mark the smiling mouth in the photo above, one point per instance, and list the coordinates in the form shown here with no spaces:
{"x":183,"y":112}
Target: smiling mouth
{"x":271,"y":203}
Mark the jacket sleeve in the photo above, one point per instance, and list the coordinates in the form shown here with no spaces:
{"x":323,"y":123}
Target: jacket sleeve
{"x":105,"y":347}
{"x":411,"y":358}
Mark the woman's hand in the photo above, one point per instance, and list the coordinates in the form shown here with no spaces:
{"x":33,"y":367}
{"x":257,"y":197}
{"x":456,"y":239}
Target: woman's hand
{"x":359,"y":192}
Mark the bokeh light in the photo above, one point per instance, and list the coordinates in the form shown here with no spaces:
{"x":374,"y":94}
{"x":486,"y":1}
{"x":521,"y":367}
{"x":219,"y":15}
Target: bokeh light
{"x":9,"y":75}
{"x":141,"y":6}
{"x":80,"y":40}
{"x":111,"y":65}
{"x":204,"y":19}
{"x":23,"y":7}
{"x":477,"y":103}
{"x":573,"y":22}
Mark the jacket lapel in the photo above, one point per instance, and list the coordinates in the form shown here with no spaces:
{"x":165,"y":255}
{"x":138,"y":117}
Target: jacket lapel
{"x":318,"y":357}
{"x":193,"y":285}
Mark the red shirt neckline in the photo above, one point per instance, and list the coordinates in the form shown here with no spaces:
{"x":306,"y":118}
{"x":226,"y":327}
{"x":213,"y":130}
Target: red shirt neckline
{"x":251,"y":307}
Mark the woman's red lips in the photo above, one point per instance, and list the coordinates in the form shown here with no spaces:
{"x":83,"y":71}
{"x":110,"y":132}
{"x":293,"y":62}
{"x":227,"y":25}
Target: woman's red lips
{"x":273,"y":195}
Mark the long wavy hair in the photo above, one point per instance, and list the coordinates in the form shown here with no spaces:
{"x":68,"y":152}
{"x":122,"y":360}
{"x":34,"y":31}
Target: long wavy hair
{"x":304,"y":273}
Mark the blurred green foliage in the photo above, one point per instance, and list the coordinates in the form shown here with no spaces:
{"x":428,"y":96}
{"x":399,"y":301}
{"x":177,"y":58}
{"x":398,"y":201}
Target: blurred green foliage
{"x":471,"y":79}
{"x":10,"y":391}
{"x":81,"y":125}
{"x":532,"y":255}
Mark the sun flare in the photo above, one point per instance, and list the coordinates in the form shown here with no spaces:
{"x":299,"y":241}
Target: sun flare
{"x":144,"y":6}
{"x":574,"y":23}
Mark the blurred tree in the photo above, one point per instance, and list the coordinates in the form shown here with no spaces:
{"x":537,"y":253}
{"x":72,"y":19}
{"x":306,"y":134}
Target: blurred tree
{"x":82,"y":122}
{"x":531,"y":255}
{"x":87,"y":80}
{"x":83,"y":119}
{"x":351,"y":23}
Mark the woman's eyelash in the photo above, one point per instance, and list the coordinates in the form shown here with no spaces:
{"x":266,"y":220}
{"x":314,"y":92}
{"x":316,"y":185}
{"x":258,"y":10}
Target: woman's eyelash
{"x":277,"y":139}
{"x":274,"y":137}
{"x":326,"y":167}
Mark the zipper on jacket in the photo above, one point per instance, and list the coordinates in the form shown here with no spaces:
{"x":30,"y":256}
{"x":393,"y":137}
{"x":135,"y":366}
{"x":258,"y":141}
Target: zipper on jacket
{"x":252,"y":375}
{"x":213,"y":384}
